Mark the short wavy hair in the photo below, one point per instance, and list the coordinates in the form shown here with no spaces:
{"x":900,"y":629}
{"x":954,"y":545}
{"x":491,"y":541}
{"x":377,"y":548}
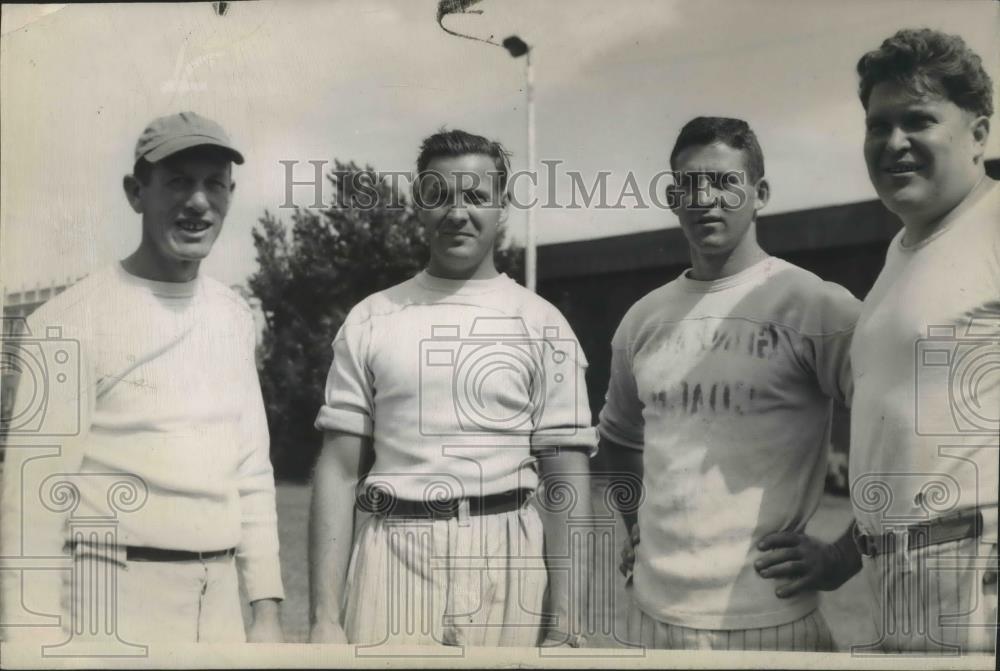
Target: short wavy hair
{"x":736,"y":133}
{"x":455,"y":143}
{"x":929,"y":61}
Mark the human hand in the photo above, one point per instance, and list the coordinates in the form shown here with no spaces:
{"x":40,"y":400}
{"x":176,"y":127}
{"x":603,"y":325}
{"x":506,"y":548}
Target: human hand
{"x":628,"y":552}
{"x":266,"y":625}
{"x":325,"y":631}
{"x":810,"y":563}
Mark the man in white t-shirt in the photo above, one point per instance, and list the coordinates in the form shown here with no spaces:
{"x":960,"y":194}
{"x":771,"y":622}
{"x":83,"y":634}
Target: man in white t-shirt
{"x":447,"y":394}
{"x":719,"y":398}
{"x":148,"y":464}
{"x":925,"y":435}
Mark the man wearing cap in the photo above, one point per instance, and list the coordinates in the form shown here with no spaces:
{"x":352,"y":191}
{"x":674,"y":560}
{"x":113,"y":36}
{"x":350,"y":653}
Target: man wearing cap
{"x":171,"y":442}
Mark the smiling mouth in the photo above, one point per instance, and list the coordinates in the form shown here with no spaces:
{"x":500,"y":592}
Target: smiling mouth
{"x":194,"y":225}
{"x":901,"y":168}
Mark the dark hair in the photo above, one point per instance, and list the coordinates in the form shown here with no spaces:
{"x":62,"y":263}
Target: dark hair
{"x":454,"y":143}
{"x":736,"y":133}
{"x":143,"y":169}
{"x":929,"y":61}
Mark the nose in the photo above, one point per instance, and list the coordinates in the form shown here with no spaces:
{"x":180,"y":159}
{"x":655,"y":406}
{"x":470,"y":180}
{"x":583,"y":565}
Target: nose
{"x":458,"y":214}
{"x":897,"y":140}
{"x":704,"y":197}
{"x":198,"y":201}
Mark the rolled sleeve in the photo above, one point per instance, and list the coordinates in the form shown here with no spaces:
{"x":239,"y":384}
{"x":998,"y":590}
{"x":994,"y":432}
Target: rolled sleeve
{"x":348,"y":398}
{"x":564,"y":418}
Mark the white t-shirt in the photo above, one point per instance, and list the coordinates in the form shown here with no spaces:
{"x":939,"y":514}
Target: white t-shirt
{"x":154,"y":385}
{"x":457,"y":382}
{"x":726,"y":387}
{"x":925,"y":435}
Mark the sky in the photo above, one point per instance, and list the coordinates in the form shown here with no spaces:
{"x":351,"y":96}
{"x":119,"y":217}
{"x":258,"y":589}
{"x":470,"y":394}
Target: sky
{"x":366,"y":80}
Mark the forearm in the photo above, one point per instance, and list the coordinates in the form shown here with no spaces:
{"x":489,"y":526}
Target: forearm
{"x":623,"y":468}
{"x":847,"y":556}
{"x":265,"y":609}
{"x":331,"y":532}
{"x":567,"y":542}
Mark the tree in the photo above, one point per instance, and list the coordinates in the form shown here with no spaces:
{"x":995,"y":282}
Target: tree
{"x":310,"y":276}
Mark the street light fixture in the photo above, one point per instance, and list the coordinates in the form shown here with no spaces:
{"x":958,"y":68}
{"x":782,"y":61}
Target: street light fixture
{"x":516,"y":47}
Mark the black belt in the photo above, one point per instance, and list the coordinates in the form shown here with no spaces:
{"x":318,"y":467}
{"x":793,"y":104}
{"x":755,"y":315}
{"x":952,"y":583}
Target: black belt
{"x":138,"y":553}
{"x":141,"y":553}
{"x":955,"y":527}
{"x":377,"y":500}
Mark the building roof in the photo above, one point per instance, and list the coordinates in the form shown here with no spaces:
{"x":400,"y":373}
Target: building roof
{"x":823,"y":228}
{"x":801,"y":230}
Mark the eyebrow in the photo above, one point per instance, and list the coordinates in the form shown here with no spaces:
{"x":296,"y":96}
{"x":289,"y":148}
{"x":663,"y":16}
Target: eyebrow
{"x":179,"y":172}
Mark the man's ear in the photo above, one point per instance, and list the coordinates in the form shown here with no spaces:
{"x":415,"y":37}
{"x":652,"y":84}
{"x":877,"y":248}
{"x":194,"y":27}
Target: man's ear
{"x":980,"y":134}
{"x":762,"y":193}
{"x":133,"y":188}
{"x":674,"y":195}
{"x":232,"y":186}
{"x":504,"y":207}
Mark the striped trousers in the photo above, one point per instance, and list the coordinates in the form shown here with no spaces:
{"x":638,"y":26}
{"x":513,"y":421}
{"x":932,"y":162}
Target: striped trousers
{"x":808,"y":634}
{"x":475,"y":580}
{"x":936,"y":600}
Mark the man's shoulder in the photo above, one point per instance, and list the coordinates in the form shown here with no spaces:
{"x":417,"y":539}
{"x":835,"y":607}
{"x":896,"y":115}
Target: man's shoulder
{"x":78,"y":302}
{"x":226,"y":298}
{"x":652,"y":304}
{"x":531,"y":305}
{"x":539,"y":316}
{"x":797,"y":291}
{"x":385,"y":302}
{"x":797,"y":281}
{"x":987,"y":211}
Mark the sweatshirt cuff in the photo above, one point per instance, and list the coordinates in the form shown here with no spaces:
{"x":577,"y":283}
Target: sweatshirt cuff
{"x":607,"y":432}
{"x":262,"y":578}
{"x":345,"y":421}
{"x":583,"y":437}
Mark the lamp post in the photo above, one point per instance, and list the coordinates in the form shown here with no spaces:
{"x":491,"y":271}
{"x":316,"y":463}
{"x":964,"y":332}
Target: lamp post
{"x":516,"y":47}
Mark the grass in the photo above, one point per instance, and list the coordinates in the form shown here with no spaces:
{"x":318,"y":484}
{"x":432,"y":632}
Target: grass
{"x":845,"y":610}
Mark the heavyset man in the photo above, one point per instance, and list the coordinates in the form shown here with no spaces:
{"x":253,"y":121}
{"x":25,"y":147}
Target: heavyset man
{"x":446,"y":396}
{"x":163,"y":389}
{"x":925,"y":436}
